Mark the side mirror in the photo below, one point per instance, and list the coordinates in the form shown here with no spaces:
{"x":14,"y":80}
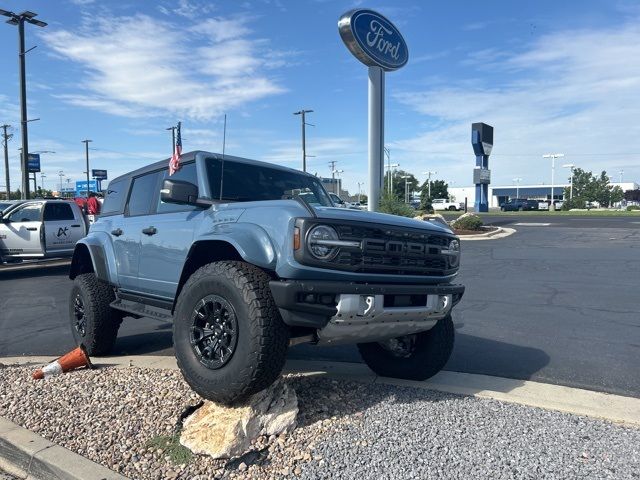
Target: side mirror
{"x":178,"y":191}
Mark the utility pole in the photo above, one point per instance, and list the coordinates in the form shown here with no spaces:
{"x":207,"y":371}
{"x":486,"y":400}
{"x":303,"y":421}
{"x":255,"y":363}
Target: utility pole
{"x":428,"y":174}
{"x":302,"y":114}
{"x":19,"y":20}
{"x":60,"y":174}
{"x":6,"y":137}
{"x":338,"y":183}
{"x":332,"y":164}
{"x":359,"y":190}
{"x":173,"y":139}
{"x":86,"y":149}
{"x":42,"y":177}
{"x":621,"y":172}
{"x":517,"y":180}
{"x":570,"y":166}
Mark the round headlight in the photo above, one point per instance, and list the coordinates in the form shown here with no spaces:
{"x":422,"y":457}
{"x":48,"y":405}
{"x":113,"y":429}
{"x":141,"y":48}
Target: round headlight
{"x":319,"y":242}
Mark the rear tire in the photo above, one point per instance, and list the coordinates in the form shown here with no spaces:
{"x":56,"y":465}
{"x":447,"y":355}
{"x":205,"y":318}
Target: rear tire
{"x":93,"y":322}
{"x":452,"y":208}
{"x":426,"y":355}
{"x":502,"y":209}
{"x":229,"y":338}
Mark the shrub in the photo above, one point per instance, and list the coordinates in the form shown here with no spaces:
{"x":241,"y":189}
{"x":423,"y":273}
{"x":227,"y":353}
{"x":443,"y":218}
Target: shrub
{"x":392,"y":205}
{"x":568,"y":204}
{"x":633,"y":207}
{"x":468,"y":221}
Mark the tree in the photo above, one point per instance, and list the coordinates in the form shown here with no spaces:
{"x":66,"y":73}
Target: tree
{"x":399,"y":182}
{"x":590,"y":188}
{"x":439,"y":189}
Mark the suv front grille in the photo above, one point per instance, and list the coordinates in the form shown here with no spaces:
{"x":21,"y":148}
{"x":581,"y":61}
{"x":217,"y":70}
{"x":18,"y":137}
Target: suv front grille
{"x":389,"y":250}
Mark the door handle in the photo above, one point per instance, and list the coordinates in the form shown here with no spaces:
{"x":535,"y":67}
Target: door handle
{"x":117,"y":232}
{"x":75,"y":226}
{"x":32,"y":229}
{"x":149,"y":231}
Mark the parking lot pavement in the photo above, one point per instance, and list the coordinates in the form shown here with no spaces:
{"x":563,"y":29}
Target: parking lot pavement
{"x":554,"y":304}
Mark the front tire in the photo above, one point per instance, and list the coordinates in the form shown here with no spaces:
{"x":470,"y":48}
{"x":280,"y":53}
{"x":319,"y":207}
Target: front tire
{"x":229,"y":338}
{"x":452,"y":208}
{"x":93,"y":322}
{"x":413,"y":357}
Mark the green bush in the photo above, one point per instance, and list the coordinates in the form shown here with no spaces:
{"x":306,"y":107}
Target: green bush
{"x":392,"y":205}
{"x":633,"y":207}
{"x":568,"y":204}
{"x":468,"y":221}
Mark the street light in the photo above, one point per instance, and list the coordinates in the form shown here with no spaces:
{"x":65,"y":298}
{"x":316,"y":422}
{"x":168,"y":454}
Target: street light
{"x":389,"y":168}
{"x":338,"y":172}
{"x":303,"y":112}
{"x":359,"y":190}
{"x":429,"y":173}
{"x":19,"y":19}
{"x":553,"y":157}
{"x":570,"y":166}
{"x":517,"y":180}
{"x":406,"y":189}
{"x":60,"y":174}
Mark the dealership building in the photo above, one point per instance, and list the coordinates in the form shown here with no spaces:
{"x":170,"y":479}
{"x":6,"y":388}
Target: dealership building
{"x":500,"y":194}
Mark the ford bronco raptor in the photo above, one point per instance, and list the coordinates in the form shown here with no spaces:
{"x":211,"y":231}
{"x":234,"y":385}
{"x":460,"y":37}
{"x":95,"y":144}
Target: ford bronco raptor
{"x":247,"y":258}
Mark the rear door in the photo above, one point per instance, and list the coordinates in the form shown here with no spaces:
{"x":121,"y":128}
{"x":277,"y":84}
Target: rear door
{"x":61,"y":228}
{"x":127,"y":231}
{"x":20,"y":231}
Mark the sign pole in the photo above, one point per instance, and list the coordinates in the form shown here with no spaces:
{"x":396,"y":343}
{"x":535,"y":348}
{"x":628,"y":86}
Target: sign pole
{"x":376,"y":135}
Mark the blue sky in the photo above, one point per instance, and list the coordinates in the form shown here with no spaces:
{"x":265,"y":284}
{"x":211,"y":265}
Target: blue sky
{"x":549,"y":76}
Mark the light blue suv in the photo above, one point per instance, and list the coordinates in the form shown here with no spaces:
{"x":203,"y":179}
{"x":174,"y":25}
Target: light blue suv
{"x":248,"y":258}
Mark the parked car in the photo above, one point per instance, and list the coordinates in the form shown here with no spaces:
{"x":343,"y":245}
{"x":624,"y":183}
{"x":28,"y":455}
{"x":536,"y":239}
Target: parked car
{"x":519,"y":204}
{"x":247,"y":267}
{"x":40,"y":229}
{"x":543,"y":205}
{"x":4,"y":204}
{"x":444,"y":204}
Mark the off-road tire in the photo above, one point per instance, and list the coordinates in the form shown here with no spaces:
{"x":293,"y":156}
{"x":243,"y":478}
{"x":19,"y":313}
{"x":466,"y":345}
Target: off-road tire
{"x":262,"y":336}
{"x":102,"y":321}
{"x":453,"y":209}
{"x":430,"y":354}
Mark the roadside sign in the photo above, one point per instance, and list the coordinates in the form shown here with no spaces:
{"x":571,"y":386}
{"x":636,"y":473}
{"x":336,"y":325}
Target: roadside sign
{"x":99,"y":174}
{"x":81,"y":187}
{"x":33,"y":162}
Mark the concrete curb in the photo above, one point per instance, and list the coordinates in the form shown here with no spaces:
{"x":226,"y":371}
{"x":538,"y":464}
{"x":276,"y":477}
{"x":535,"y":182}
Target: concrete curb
{"x":27,"y":455}
{"x":615,"y":408}
{"x":501,"y":232}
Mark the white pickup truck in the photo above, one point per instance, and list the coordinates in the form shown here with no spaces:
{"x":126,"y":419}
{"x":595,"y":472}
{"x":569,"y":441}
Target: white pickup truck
{"x":444,"y":204}
{"x":32,"y":229}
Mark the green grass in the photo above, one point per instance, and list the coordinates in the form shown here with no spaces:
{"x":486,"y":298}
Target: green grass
{"x":171,"y":446}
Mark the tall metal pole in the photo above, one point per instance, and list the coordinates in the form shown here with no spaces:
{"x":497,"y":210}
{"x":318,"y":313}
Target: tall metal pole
{"x":23,"y":111}
{"x":553,"y":157}
{"x":376,"y":135}
{"x":6,"y":138}
{"x":173,"y":139}
{"x":304,"y":124}
{"x":86,"y":149}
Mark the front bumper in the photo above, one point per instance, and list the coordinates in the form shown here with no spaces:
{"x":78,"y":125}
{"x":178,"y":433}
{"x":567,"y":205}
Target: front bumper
{"x":315,"y":304}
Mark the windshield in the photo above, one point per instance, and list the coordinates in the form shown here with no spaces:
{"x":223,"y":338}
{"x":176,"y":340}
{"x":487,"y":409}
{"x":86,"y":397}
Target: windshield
{"x":244,"y":182}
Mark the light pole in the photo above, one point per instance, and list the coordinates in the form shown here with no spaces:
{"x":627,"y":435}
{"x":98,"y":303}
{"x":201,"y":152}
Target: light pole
{"x":428,"y":174}
{"x":42,"y":177}
{"x":86,"y":149}
{"x":406,"y":187}
{"x":621,"y":172}
{"x":302,"y":113}
{"x":60,"y":174}
{"x":517,"y":181}
{"x":570,"y":166}
{"x":6,"y":137}
{"x":360,"y":190}
{"x":19,"y":20}
{"x":553,"y":157}
{"x":338,"y":172}
{"x":390,"y":168}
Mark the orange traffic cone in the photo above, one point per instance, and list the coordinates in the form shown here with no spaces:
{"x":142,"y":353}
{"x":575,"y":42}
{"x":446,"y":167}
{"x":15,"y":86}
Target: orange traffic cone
{"x":76,"y":358}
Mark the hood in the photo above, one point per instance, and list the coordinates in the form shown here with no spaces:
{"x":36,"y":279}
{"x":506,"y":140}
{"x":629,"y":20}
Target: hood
{"x":378,"y":219}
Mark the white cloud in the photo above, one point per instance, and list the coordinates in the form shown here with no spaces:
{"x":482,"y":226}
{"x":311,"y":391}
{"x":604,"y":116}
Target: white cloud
{"x":572,"y":91}
{"x":140,"y":66}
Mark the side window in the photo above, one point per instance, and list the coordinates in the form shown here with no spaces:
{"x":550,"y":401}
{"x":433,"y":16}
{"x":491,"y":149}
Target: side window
{"x":27,"y":213}
{"x":187,"y":173}
{"x":142,"y":192}
{"x":57,"y":211}
{"x":116,"y":195}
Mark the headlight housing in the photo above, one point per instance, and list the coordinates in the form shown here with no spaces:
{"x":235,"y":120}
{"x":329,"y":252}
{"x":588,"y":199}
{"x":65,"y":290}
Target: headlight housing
{"x":453,"y":251}
{"x":322,"y":242}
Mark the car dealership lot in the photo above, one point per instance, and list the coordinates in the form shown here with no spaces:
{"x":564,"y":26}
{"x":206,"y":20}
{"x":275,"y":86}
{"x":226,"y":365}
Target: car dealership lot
{"x":553,"y":303}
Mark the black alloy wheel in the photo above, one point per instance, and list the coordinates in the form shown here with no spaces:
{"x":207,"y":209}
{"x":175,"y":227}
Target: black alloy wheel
{"x":214,"y":331}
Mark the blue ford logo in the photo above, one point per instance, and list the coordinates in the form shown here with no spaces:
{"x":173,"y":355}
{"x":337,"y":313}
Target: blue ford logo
{"x":373,"y":39}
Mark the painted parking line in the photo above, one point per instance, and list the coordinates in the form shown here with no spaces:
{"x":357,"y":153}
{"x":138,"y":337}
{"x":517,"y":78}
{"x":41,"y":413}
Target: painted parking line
{"x":532,"y":224}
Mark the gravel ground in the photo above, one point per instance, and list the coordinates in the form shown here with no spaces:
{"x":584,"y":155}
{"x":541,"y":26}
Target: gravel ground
{"x":5,"y":476}
{"x":346,"y":430}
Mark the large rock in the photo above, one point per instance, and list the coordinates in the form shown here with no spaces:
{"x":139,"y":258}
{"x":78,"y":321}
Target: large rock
{"x":225,"y":432}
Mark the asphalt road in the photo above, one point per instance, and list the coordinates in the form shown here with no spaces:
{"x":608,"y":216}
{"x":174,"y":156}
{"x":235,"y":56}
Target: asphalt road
{"x":557,"y":304}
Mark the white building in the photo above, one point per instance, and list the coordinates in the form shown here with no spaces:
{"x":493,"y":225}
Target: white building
{"x":500,"y":194}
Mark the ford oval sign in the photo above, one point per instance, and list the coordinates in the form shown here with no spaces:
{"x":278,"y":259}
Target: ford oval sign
{"x":373,"y":39}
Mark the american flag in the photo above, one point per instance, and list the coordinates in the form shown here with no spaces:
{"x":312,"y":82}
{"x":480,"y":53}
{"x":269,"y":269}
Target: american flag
{"x":174,"y":163}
